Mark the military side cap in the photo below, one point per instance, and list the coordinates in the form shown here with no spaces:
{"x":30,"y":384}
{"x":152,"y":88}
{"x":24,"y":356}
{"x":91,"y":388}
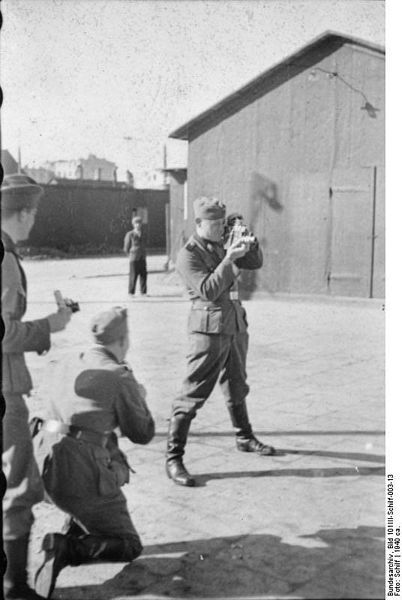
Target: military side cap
{"x":209,"y":208}
{"x":109,"y":326}
{"x":19,"y":191}
{"x":231,"y":219}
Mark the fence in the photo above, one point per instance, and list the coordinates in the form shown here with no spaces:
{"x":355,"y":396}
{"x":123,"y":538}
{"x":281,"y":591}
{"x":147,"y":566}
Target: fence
{"x":78,"y":218}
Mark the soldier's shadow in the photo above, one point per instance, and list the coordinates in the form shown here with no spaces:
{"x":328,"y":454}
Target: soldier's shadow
{"x":203,"y":479}
{"x":331,"y":563}
{"x":316,"y":471}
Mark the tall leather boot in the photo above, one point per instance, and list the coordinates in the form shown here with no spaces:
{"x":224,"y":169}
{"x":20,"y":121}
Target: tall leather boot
{"x":177,"y":437}
{"x":245,"y":439}
{"x":15,"y":578}
{"x":63,"y":550}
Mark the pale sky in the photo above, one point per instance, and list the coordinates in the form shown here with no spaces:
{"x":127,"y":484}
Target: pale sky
{"x":81,"y":75}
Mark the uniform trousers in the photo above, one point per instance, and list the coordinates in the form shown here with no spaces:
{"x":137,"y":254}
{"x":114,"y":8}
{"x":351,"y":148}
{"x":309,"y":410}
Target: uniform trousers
{"x":214,"y":357}
{"x":79,"y":482}
{"x":103,"y":517}
{"x":24,"y":484}
{"x":138,"y":268}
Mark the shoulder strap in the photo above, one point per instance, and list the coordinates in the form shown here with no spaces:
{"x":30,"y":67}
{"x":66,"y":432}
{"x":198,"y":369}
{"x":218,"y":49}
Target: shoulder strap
{"x":203,"y":254}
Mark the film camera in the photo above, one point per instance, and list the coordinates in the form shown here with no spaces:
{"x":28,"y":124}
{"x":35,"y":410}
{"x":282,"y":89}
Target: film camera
{"x":66,"y":302}
{"x":235,"y":230}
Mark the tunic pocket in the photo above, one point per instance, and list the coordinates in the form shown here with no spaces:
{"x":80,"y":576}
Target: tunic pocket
{"x":214,"y":320}
{"x":205,"y":320}
{"x":107,"y":479}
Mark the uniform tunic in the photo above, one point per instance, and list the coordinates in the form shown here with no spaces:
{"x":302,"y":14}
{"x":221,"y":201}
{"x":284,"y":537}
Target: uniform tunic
{"x":83,"y":477}
{"x":24,"y":485}
{"x":217,"y":324}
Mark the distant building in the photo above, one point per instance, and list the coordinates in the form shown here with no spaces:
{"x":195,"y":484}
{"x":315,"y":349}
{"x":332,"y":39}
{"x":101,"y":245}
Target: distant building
{"x":8,"y":162}
{"x":81,"y":183}
{"x":91,"y":168}
{"x":40,"y":174}
{"x":151,"y":179}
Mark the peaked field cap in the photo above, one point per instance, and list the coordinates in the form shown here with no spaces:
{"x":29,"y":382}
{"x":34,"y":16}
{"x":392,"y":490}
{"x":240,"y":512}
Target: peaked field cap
{"x":109,"y":326}
{"x":136,"y":220}
{"x":19,"y":191}
{"x":209,"y":208}
{"x":230,"y":219}
{"x":234,"y":215}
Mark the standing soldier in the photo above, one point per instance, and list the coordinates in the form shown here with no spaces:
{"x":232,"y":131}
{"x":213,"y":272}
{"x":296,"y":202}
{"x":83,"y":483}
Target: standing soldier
{"x":218,"y":337}
{"x":135,"y":247}
{"x":85,"y":469}
{"x":19,"y":201}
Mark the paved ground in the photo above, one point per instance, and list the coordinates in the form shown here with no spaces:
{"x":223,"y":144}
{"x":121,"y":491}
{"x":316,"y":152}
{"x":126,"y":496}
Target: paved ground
{"x":306,"y":524}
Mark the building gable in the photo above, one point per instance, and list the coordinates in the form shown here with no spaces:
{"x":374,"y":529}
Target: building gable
{"x":275,"y":76}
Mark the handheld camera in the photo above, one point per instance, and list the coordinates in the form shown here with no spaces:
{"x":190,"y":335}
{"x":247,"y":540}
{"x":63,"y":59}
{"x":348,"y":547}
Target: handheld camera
{"x":236,"y":230}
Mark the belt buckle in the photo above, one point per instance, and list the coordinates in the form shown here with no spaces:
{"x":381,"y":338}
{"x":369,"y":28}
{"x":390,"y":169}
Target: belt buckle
{"x":54,"y":426}
{"x":234,"y":295}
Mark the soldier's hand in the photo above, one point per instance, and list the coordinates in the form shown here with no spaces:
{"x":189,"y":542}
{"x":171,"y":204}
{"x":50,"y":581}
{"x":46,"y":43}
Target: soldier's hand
{"x":237,"y":250}
{"x":59,"y":319}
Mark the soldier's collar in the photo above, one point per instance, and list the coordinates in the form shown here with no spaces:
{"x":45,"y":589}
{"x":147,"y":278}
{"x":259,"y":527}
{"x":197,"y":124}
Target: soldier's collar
{"x":207,"y":244}
{"x":9,"y":244}
{"x":102,"y":350}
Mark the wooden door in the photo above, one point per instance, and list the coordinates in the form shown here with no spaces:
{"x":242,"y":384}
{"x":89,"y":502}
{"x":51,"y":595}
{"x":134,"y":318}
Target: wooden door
{"x":350,"y":269}
{"x":378,"y":283}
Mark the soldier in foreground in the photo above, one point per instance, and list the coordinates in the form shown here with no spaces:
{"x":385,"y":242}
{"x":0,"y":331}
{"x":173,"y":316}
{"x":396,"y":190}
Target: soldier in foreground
{"x":85,"y":469}
{"x":20,"y":197}
{"x":217,"y":329}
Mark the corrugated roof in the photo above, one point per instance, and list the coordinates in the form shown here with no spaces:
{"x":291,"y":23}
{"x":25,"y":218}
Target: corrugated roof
{"x":184,"y":130}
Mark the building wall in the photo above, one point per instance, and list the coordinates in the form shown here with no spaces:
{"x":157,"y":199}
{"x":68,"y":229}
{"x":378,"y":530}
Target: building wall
{"x":63,"y":168}
{"x":150,"y":179}
{"x":97,"y":168}
{"x":85,"y":168}
{"x":77,"y":217}
{"x":39,"y":174}
{"x":278,"y":157}
{"x":177,"y":216}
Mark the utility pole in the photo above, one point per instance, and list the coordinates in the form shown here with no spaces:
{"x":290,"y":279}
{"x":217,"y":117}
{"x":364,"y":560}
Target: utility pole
{"x":128,"y":139}
{"x":165,"y":179}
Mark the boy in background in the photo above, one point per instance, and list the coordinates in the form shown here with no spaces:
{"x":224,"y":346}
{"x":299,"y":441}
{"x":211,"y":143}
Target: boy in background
{"x":135,"y":247}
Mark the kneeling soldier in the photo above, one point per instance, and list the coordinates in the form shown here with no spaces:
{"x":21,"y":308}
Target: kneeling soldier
{"x":96,"y":393}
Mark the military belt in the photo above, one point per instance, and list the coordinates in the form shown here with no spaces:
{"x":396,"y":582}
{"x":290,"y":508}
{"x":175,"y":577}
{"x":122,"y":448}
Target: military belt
{"x":78,"y":433}
{"x":210,"y":304}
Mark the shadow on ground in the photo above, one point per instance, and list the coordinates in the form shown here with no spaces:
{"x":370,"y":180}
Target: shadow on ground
{"x":99,"y":275}
{"x":335,"y":432}
{"x":332,"y":563}
{"x":202,"y":480}
{"x":338,"y":471}
{"x":296,"y":432}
